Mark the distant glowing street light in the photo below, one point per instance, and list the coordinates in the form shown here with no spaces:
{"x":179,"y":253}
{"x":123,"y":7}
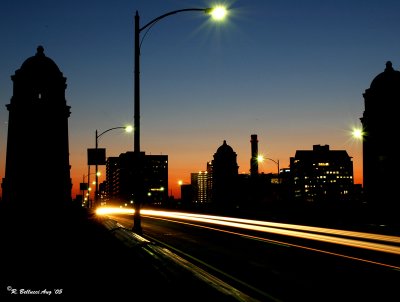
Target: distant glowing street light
{"x":217,"y":13}
{"x":127,"y":129}
{"x":261,"y":158}
{"x":86,"y":186}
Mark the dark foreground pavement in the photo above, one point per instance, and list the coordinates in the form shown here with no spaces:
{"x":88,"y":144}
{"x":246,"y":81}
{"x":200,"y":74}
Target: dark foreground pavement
{"x":68,"y":253}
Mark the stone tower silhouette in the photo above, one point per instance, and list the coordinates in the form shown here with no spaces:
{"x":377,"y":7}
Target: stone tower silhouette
{"x":225,"y":173}
{"x":37,"y":161}
{"x":380,"y":154}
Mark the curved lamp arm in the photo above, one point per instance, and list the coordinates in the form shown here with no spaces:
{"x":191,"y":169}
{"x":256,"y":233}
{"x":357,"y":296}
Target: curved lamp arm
{"x":277,"y":162}
{"x":97,"y":136}
{"x":205,"y":10}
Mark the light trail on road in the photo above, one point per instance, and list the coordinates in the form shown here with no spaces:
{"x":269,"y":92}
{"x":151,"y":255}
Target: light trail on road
{"x":299,"y":231}
{"x":363,"y":235}
{"x":281,"y":243}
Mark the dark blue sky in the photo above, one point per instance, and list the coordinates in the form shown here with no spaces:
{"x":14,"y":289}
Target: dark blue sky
{"x":292,"y":72}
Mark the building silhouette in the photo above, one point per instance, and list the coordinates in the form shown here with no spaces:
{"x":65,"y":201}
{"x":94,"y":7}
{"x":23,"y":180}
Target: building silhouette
{"x":318,"y":182}
{"x":120,"y":185}
{"x":156,"y":179}
{"x":37,"y":161}
{"x":111,"y":187}
{"x":198,"y":194}
{"x":224,"y":177}
{"x":254,"y":155}
{"x":322,"y":175}
{"x":209,"y":189}
{"x":380,"y":156}
{"x":187,"y":196}
{"x":255,"y":188}
{"x":221,"y":187}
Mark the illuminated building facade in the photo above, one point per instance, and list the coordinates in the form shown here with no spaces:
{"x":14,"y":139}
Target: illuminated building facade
{"x":322,"y":175}
{"x":37,"y":160}
{"x":209,"y":181}
{"x":111,"y":184}
{"x":199,"y":182}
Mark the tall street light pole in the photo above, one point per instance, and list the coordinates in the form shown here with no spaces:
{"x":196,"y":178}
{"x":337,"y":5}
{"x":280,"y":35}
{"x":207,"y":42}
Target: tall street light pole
{"x":277,"y":163}
{"x":127,"y":129}
{"x":217,"y":13}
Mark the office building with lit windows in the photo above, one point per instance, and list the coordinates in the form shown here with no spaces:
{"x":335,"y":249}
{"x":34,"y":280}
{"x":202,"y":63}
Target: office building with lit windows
{"x":111,"y":184}
{"x":199,"y":182}
{"x":322,"y":175}
{"x":156,"y":179}
{"x":120,"y":182}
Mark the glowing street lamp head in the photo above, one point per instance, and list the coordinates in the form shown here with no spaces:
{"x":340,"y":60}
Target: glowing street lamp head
{"x":260,"y":158}
{"x":218,"y":12}
{"x":357,"y":133}
{"x":129,"y":128}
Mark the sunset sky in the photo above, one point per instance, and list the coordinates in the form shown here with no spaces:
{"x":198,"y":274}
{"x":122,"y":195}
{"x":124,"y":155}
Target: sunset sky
{"x":292,"y":72}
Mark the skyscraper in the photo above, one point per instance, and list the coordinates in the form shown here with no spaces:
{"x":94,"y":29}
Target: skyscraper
{"x":199,"y":182}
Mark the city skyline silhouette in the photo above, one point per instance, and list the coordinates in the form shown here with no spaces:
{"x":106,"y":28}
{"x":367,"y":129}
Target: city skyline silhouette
{"x":256,"y":75}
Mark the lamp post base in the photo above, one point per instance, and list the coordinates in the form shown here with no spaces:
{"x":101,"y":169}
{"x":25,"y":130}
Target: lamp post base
{"x":137,"y":225}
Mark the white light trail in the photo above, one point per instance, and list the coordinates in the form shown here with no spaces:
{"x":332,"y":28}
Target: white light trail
{"x":299,"y":231}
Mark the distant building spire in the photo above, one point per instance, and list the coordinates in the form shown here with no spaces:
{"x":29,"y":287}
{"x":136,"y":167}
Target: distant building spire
{"x":389,"y":66}
{"x":40,"y":50}
{"x":254,"y":155}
